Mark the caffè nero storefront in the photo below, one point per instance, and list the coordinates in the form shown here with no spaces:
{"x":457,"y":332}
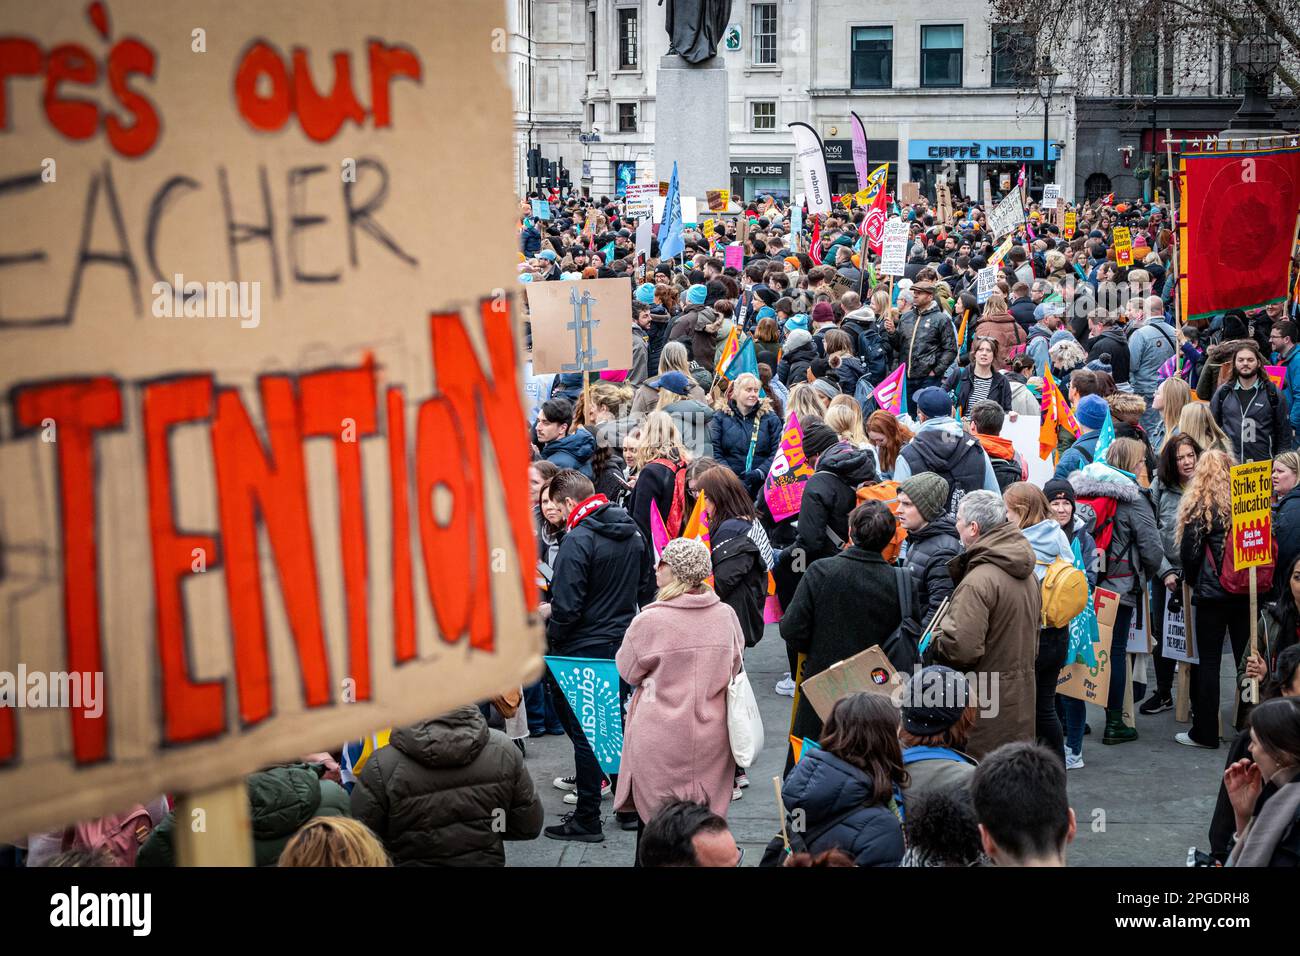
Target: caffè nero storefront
{"x":995,"y":161}
{"x":754,"y":179}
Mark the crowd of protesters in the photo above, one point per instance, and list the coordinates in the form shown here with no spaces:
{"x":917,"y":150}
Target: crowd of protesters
{"x":974,"y":576}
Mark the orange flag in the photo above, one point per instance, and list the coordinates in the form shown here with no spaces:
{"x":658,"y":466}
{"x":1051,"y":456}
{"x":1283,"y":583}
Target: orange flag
{"x":697,"y":526}
{"x":1056,"y":413}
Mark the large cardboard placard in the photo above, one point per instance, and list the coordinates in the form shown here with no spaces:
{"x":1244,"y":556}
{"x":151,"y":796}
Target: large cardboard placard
{"x":551,"y":312}
{"x":867,"y":670}
{"x":262,"y":457}
{"x":1007,"y":216}
{"x":1092,"y":684}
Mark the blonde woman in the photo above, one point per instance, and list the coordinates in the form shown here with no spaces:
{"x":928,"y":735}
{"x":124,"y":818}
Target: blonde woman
{"x":659,"y":466}
{"x":1197,"y":421}
{"x":673,"y":358}
{"x":680,"y":654}
{"x":1171,"y":398}
{"x":1203,"y":536}
{"x":883,"y":309}
{"x":745,"y":433}
{"x":844,"y":418}
{"x":334,"y":841}
{"x":805,"y":400}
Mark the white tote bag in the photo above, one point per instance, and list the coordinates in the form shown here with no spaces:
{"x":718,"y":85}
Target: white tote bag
{"x":744,"y":724}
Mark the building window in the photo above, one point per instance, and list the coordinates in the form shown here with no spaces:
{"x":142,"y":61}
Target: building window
{"x":627,"y":38}
{"x":941,"y":55}
{"x":627,"y":117}
{"x":1096,"y":186}
{"x":764,"y":34}
{"x":873,"y":58}
{"x":762,"y":115}
{"x":1013,"y":55}
{"x":1144,"y":68}
{"x":591,"y":41}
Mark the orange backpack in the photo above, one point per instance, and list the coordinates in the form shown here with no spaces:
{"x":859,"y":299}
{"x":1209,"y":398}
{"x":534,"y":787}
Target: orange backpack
{"x":886,"y":491}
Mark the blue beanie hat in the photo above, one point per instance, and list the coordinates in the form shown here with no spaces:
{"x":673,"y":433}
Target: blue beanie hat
{"x":697,"y":294}
{"x":1060,"y":335}
{"x":766,"y":312}
{"x":645,"y":292}
{"x":1091,"y":412}
{"x":799,"y":321}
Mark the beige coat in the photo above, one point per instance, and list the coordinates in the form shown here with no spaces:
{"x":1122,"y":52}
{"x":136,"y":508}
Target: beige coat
{"x":991,"y":629}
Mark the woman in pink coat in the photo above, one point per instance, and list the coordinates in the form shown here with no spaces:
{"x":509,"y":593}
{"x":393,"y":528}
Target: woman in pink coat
{"x":679,"y":653}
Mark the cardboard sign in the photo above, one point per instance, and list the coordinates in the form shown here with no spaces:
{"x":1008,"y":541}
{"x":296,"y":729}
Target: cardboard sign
{"x":893,"y":254}
{"x":708,"y":228}
{"x":1007,"y":215}
{"x":1252,"y":516}
{"x":1000,"y":252}
{"x":718,"y":199}
{"x":1051,"y":195}
{"x":644,"y":235}
{"x":911,"y":193}
{"x":986,"y":283}
{"x":1092,"y":684}
{"x":867,"y":670}
{"x":1178,"y":639}
{"x":1139,"y":638}
{"x":551,"y":311}
{"x":1122,"y":240}
{"x":1071,"y":223}
{"x":265,"y":462}
{"x":944,"y":196}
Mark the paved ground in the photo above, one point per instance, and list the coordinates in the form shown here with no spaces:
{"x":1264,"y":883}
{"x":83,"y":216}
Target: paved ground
{"x":1138,"y":804}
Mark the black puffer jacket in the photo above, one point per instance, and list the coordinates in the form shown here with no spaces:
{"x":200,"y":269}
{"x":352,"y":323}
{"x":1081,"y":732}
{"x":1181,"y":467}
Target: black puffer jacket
{"x":1112,"y":343}
{"x":603,"y":570}
{"x":825,"y":787}
{"x":446,"y":792}
{"x":740,"y":576}
{"x":831,"y":493}
{"x":793,"y":367}
{"x":927,"y":342}
{"x":1269,"y":432}
{"x":928,"y":553}
{"x":871,"y":342}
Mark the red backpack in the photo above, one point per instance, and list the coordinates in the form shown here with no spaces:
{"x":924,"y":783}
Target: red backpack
{"x":677,"y":511}
{"x":1104,"y":509}
{"x":1235,"y":580}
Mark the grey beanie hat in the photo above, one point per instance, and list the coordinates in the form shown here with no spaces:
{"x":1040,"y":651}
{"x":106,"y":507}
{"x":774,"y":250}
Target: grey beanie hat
{"x":689,"y":560}
{"x":929,"y":492}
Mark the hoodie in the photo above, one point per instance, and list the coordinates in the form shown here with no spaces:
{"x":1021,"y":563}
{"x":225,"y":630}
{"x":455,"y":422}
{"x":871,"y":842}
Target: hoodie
{"x":572,"y":451}
{"x":942,"y":446}
{"x":603,"y":570}
{"x":1049,"y":542}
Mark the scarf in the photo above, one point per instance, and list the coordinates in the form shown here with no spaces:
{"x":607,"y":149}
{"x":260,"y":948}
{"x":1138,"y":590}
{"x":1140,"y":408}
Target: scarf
{"x":586,"y":507}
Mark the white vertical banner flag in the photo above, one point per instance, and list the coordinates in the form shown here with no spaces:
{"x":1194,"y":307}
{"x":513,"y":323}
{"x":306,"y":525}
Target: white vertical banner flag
{"x":808,"y":148}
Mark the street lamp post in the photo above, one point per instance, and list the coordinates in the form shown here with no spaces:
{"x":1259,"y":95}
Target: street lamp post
{"x":1047,"y":76}
{"x":1257,"y":55}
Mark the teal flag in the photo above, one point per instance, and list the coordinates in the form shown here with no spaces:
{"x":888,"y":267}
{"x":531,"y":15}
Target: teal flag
{"x":1106,"y":438}
{"x":590,"y":686}
{"x":1083,"y":629}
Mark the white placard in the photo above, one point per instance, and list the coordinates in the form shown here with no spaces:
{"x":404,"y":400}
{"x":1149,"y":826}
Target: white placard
{"x":644,"y":236}
{"x":1051,"y":195}
{"x":893,"y":254}
{"x":640,"y":199}
{"x":1137,"y":632}
{"x":1007,"y":215}
{"x":659,"y":203}
{"x":690,"y":215}
{"x":986,"y":283}
{"x":1023,"y":435}
{"x":1178,"y":641}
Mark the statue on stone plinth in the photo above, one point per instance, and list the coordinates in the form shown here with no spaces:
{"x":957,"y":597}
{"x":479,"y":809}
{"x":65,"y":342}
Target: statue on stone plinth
{"x":696,"y":27}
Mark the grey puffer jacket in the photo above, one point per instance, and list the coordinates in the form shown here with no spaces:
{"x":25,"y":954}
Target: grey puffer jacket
{"x":1166,"y":499}
{"x":447,"y":792}
{"x":1135,"y":553}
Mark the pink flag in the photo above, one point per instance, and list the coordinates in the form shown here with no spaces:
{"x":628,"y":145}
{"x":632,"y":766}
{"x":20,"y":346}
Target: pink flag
{"x":1020,"y":180}
{"x":658,"y":532}
{"x":790,"y":472}
{"x":891,"y":394}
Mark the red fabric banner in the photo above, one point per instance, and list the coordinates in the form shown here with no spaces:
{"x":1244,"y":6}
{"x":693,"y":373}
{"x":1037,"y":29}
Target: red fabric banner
{"x":1239,"y":211}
